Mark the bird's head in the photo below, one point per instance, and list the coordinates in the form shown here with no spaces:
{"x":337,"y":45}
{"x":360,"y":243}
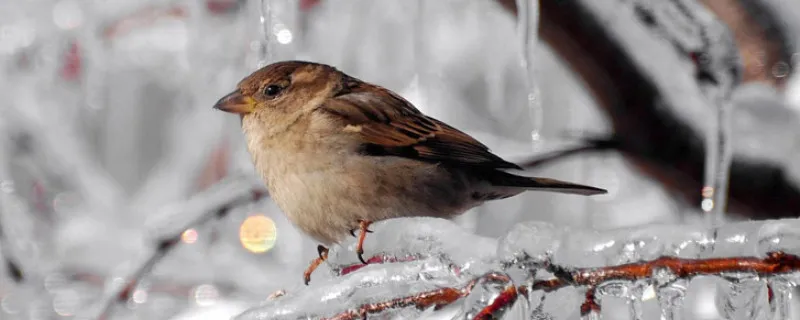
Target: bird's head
{"x":281,"y":88}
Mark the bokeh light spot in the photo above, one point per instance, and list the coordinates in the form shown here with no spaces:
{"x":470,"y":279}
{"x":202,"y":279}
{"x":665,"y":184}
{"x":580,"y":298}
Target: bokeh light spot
{"x":66,"y":302}
{"x":139,"y":296}
{"x":707,"y":205}
{"x":189,"y":236}
{"x":205,"y":295}
{"x":258,"y":233}
{"x":284,"y":36}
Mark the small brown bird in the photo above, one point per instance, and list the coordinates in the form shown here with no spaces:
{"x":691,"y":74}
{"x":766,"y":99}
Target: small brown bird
{"x":338,"y":153}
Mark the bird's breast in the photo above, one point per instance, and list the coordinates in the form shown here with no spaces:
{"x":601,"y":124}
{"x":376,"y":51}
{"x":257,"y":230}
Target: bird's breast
{"x":325,"y":192}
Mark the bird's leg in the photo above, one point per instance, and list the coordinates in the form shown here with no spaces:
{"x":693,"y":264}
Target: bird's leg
{"x":323,"y":255}
{"x":362,"y":226}
{"x":353,"y":231}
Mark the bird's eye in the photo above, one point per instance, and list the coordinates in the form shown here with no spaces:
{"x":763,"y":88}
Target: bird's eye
{"x":272,"y":90}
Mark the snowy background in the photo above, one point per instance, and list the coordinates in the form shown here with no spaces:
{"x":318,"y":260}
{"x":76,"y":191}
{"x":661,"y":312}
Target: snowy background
{"x":109,"y":141}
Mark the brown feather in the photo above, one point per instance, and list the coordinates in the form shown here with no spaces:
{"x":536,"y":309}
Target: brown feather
{"x":390,"y":125}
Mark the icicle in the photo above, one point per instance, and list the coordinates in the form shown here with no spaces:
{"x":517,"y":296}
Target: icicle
{"x":592,"y":315}
{"x":718,"y":160}
{"x":780,"y":293}
{"x":266,"y":25}
{"x":743,"y":297}
{"x":278,"y":21}
{"x":723,"y":64}
{"x":527,"y":29}
{"x":536,"y":300}
{"x":670,"y":292}
{"x":636,"y":290}
{"x":670,"y":299}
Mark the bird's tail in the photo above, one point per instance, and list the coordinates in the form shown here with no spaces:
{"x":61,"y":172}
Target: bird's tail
{"x":504,"y":179}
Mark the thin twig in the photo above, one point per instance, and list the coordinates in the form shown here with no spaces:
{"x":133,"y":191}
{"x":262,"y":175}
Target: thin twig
{"x":212,"y":203}
{"x":436,"y":298}
{"x":774,"y":263}
{"x":589,"y":144}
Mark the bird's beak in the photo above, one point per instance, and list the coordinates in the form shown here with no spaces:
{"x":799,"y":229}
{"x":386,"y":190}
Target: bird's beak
{"x":236,"y":103}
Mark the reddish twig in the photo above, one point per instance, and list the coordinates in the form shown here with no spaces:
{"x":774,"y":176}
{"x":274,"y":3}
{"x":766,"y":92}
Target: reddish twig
{"x":774,"y":263}
{"x":437,"y":298}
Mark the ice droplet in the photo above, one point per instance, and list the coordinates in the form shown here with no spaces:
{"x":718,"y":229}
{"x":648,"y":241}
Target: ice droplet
{"x":744,"y":296}
{"x":663,"y":276}
{"x":527,"y":26}
{"x":670,"y":299}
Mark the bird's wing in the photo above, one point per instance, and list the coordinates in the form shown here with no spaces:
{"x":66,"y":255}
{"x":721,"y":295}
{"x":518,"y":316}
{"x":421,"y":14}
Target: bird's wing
{"x":390,"y":125}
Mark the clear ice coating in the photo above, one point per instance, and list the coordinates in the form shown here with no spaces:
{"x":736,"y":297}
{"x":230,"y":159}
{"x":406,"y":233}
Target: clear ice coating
{"x":528,"y":31}
{"x":430,"y":267}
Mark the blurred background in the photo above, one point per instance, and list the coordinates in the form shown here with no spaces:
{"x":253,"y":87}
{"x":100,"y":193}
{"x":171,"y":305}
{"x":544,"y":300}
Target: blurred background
{"x":106,"y":126}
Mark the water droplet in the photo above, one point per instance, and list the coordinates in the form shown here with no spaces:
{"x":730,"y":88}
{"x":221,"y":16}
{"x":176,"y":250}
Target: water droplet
{"x":66,"y":302}
{"x":284,"y":36}
{"x":780,"y":69}
{"x":10,"y":304}
{"x":139,"y":296}
{"x":707,"y":205}
{"x":205,"y":295}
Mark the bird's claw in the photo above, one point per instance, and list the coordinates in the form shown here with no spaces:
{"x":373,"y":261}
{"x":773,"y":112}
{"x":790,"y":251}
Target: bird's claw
{"x":363,"y":226}
{"x":360,"y":253}
{"x":360,"y":222}
{"x":323,"y":255}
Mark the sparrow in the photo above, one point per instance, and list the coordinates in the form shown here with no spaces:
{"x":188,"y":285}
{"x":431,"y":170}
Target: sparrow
{"x":337,"y":154}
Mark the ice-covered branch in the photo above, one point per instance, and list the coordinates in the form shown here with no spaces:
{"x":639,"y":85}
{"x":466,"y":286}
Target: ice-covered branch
{"x":426,"y":266}
{"x":166,"y":230}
